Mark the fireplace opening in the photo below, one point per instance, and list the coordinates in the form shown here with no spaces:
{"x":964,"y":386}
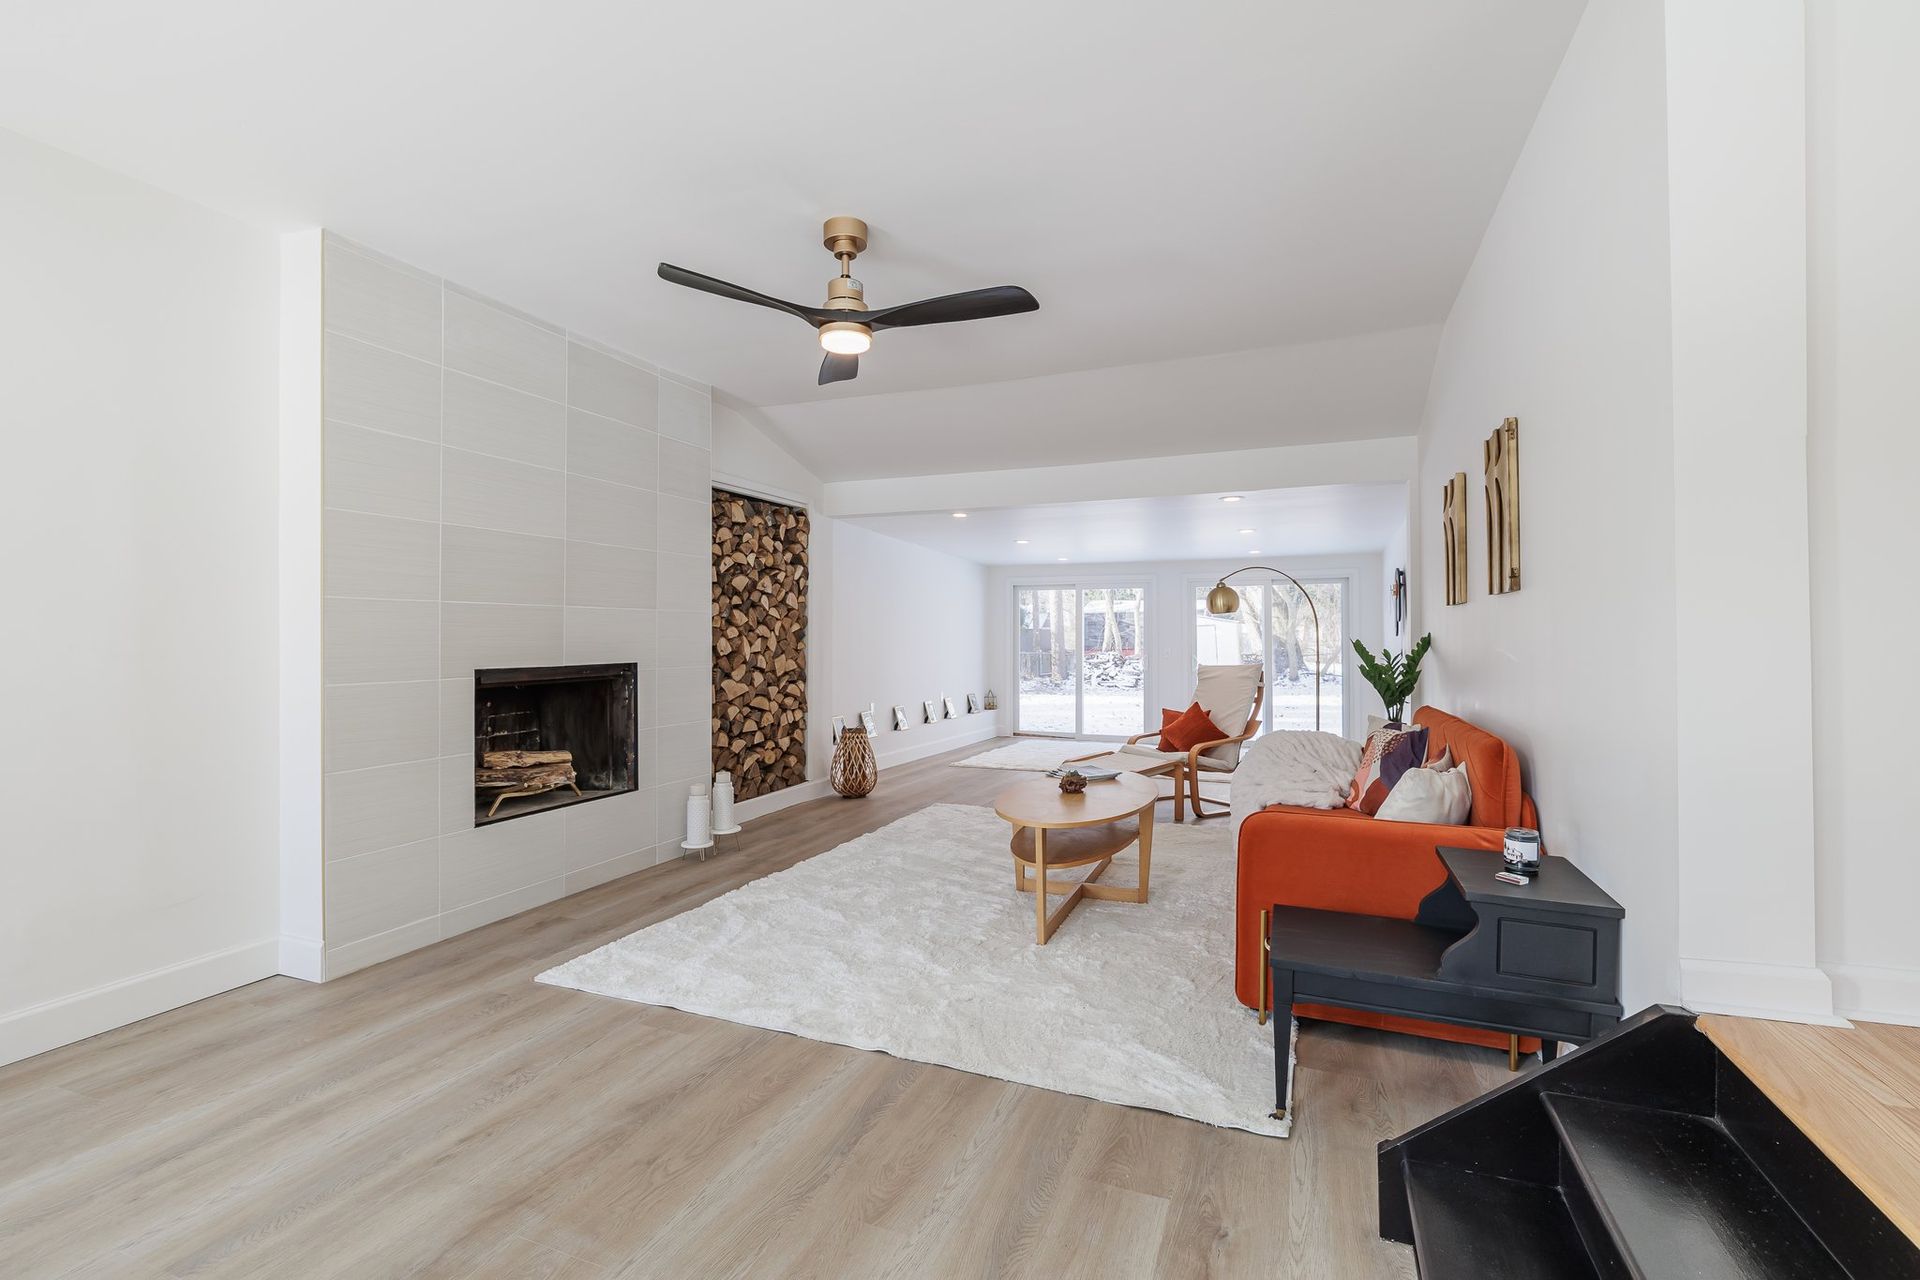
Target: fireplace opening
{"x":548,"y":737}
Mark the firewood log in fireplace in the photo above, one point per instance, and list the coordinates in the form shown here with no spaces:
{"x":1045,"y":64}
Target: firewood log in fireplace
{"x":523,"y":773}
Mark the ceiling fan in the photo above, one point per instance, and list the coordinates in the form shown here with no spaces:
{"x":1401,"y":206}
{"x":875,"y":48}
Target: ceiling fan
{"x":846,"y":325}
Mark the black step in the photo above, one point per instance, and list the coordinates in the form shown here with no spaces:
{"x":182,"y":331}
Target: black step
{"x":1679,"y":1198}
{"x":1479,"y":1227}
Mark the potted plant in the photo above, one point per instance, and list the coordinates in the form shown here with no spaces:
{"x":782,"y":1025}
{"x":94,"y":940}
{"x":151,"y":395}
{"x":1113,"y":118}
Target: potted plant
{"x":1394,"y":675}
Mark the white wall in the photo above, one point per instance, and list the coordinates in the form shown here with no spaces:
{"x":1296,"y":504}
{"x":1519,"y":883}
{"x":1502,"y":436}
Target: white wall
{"x":1169,"y":652}
{"x":1863,"y":113}
{"x":499,"y":493}
{"x":1737,"y":206}
{"x":1562,"y":322}
{"x":138,"y":398}
{"x":908,"y":625}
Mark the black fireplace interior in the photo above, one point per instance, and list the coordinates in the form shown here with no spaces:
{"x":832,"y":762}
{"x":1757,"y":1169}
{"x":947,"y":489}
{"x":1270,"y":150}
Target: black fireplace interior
{"x":587,"y":711}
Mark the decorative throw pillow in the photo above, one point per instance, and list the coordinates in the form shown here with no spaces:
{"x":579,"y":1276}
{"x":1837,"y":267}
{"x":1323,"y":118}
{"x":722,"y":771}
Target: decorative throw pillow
{"x":1397,"y":749}
{"x":1443,"y":796}
{"x":1187,"y":729}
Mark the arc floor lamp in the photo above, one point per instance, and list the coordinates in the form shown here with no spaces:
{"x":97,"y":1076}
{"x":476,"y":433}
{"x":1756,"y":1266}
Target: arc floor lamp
{"x":1224,"y":601}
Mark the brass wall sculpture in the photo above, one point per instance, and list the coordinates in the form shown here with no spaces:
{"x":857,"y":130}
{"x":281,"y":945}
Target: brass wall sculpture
{"x":1453,"y":535}
{"x":1501,"y":455}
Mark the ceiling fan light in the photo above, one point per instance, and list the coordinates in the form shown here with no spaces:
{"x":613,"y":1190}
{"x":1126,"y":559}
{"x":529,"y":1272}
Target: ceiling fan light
{"x":845,"y":338}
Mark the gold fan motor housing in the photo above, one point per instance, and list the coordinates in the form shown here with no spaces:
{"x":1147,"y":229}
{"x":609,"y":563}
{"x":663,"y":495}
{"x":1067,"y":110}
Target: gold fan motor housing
{"x":844,"y":237}
{"x":844,"y":294}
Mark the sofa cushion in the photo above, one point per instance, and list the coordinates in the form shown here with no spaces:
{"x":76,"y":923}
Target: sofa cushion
{"x":1494,"y":767}
{"x":1429,"y":795}
{"x":1401,"y":749}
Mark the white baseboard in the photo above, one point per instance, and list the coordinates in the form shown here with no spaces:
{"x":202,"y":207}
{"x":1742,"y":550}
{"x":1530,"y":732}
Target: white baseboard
{"x":818,"y":788}
{"x":745,"y":811}
{"x":38,"y":1028}
{"x":908,"y":752}
{"x":1867,"y":993}
{"x":1777,"y":992}
{"x":303,"y":958}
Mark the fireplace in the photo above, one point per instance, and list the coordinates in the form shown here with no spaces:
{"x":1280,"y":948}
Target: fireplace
{"x":547,"y":737}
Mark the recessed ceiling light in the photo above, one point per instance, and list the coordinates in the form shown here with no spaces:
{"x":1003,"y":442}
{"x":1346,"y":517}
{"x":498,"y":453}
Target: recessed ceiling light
{"x":959,"y":515}
{"x":1253,"y":551}
{"x":1019,"y":542}
{"x":1246,"y":531}
{"x":1232,"y":497}
{"x":1061,"y":559}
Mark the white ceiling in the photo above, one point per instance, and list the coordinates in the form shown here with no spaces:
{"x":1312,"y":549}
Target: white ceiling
{"x":1228,"y":177}
{"x":1314,"y":520}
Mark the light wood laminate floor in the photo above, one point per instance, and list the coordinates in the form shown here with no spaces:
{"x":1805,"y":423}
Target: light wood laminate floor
{"x":442,"y":1114}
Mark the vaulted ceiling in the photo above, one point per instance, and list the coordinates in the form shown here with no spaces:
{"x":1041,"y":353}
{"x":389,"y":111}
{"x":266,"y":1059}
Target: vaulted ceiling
{"x":1174,"y":184}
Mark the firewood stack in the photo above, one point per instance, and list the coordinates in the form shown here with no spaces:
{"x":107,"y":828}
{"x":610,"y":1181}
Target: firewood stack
{"x":759,"y":643}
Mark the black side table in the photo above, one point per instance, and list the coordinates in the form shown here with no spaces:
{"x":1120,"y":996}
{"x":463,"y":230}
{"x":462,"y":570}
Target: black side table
{"x":1539,"y":959}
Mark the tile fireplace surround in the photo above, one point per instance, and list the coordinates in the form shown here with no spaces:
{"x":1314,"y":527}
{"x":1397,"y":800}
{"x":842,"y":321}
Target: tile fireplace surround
{"x":497,"y":493}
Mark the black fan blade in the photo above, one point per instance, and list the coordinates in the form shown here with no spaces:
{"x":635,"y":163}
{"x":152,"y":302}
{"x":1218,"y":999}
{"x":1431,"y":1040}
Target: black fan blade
{"x":839,"y":368}
{"x":974,"y":304}
{"x":707,"y":284}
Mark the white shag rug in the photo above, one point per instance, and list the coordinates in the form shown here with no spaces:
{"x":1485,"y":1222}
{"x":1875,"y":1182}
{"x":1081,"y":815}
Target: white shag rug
{"x":1033,"y":753}
{"x":913,"y":941}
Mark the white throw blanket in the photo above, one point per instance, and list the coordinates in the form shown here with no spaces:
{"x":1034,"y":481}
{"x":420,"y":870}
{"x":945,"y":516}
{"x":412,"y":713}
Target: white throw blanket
{"x":1292,"y":766}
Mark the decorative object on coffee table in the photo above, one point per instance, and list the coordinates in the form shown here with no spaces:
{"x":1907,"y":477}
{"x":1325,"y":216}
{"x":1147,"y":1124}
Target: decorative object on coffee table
{"x":1453,"y":536}
{"x":854,"y":772}
{"x":1501,"y":455}
{"x":1073,"y":782}
{"x":1394,"y":675}
{"x":1055,"y":831}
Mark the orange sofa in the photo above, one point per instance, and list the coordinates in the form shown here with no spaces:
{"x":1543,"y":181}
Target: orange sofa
{"x":1343,"y":860}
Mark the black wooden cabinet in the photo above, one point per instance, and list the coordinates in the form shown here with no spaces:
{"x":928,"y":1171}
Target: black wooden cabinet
{"x":1539,"y":959}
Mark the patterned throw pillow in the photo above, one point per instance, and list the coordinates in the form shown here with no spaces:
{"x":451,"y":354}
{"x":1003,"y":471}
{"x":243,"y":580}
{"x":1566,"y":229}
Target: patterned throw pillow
{"x":1388,"y":754}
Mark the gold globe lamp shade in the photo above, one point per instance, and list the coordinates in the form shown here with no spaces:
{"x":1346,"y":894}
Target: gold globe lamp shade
{"x":1223,"y":600}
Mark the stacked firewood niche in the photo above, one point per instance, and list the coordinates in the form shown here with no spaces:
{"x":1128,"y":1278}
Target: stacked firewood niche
{"x":759,"y":643}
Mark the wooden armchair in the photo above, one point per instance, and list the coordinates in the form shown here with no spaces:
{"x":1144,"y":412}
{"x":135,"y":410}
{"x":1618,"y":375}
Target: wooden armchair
{"x":1231,"y":695}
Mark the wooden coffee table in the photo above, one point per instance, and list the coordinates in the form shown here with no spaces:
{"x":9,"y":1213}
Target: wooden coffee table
{"x":1053,"y":831}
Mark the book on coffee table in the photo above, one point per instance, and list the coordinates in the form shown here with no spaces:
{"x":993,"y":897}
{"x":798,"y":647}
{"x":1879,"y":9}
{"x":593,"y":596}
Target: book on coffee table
{"x":1089,"y":772}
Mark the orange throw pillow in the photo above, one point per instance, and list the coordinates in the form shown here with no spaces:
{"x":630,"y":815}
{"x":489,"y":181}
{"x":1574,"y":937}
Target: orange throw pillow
{"x":1186,"y":730}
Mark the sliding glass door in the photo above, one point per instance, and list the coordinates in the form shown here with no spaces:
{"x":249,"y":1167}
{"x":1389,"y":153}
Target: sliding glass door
{"x":1275,"y":628}
{"x":1081,"y":671}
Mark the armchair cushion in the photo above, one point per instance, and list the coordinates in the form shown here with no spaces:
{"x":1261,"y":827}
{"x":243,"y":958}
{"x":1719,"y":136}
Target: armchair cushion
{"x":1225,"y":691}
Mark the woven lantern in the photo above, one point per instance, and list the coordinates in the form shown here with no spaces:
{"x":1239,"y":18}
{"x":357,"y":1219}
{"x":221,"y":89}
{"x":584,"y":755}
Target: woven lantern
{"x":855,"y":771}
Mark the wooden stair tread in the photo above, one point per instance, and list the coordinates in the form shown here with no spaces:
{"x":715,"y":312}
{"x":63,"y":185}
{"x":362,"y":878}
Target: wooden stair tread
{"x":1681,"y":1198}
{"x":1853,"y":1091}
{"x":1476,"y":1227}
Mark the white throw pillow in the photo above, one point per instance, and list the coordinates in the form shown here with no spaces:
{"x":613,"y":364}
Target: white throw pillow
{"x":1429,"y":795}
